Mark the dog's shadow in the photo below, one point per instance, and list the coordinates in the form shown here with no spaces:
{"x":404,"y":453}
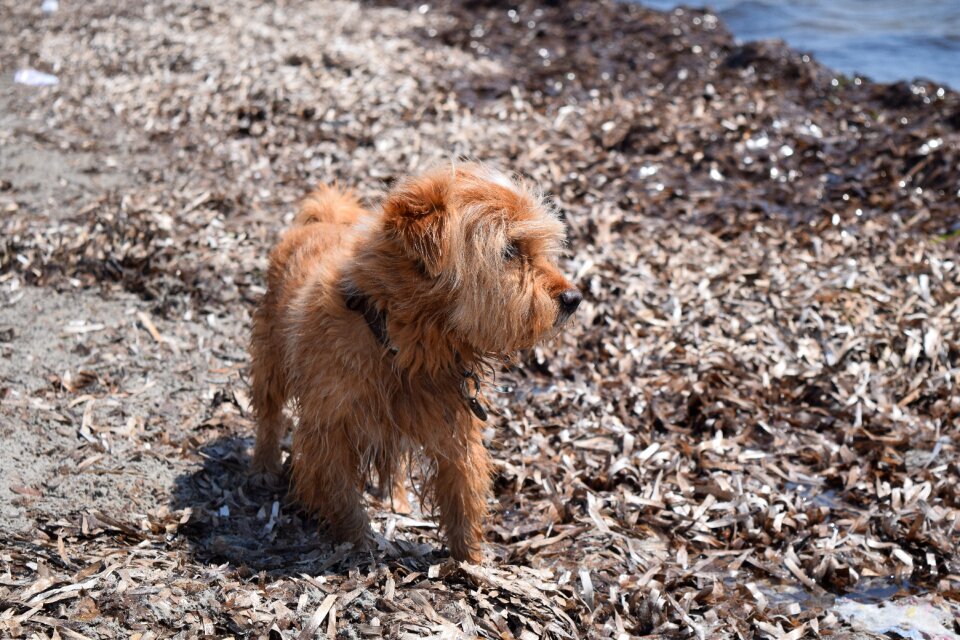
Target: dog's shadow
{"x":256,"y":527}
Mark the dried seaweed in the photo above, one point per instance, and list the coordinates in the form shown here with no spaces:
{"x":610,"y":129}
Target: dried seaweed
{"x":754,"y":412}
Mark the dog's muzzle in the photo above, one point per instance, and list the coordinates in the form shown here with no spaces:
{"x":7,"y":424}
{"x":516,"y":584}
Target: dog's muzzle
{"x":568,"y":300}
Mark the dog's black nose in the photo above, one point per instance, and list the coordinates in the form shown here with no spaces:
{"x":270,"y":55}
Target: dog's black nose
{"x":570,"y":300}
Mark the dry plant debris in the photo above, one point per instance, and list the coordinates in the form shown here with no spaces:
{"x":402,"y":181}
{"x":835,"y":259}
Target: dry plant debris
{"x":755,"y":413}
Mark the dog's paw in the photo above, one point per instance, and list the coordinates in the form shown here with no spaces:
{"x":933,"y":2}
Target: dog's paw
{"x":399,"y":504}
{"x":469,"y":551}
{"x":270,"y":477}
{"x":396,"y":503}
{"x":267,"y":460}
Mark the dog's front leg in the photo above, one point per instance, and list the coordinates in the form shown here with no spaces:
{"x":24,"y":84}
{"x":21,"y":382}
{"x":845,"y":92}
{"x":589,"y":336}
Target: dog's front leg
{"x":461,"y":488}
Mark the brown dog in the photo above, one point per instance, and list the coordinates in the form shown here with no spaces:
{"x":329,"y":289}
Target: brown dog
{"x":379,"y":327}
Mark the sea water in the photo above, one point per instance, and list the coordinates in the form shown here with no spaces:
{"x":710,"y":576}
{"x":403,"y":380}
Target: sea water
{"x":885,"y":40}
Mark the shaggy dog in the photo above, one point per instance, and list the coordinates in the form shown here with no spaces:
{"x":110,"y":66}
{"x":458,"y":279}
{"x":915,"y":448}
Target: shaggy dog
{"x":380,"y":327}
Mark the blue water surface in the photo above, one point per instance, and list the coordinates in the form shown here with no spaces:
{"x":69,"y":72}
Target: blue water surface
{"x":886,"y":40}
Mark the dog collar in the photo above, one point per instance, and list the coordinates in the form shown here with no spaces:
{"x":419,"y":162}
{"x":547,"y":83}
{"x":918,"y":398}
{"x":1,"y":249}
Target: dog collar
{"x":377,"y":322}
{"x":376,"y":319}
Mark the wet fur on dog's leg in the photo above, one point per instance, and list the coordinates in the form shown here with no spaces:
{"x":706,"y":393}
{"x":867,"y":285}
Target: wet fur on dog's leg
{"x":391,"y":489}
{"x":460,"y":488}
{"x":327,"y":480}
{"x":269,"y":397}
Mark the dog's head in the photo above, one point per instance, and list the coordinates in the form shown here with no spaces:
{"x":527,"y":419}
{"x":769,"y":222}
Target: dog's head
{"x":489,"y":244}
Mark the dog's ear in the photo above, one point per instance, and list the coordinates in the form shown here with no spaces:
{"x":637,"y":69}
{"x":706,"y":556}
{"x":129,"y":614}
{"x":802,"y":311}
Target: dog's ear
{"x":415,"y":213}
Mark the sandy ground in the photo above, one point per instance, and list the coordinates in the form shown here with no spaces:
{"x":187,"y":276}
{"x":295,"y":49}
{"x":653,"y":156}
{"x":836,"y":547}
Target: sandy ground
{"x":752,"y":422}
{"x":128,"y":390}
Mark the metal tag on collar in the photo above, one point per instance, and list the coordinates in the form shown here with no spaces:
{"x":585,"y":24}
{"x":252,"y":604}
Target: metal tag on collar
{"x":478,"y":409}
{"x":473,"y":400}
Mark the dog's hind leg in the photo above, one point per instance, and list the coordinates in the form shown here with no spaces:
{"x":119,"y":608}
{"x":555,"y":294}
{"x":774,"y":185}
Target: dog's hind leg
{"x":272,"y":426}
{"x":269,"y":391}
{"x":328,"y":481}
{"x":392,"y":468}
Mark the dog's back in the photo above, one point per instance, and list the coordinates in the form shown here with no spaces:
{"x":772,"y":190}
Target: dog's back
{"x":321,"y":227}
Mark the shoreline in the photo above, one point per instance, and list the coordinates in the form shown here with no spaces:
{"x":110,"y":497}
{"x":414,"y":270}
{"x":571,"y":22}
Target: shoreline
{"x":881,"y":43}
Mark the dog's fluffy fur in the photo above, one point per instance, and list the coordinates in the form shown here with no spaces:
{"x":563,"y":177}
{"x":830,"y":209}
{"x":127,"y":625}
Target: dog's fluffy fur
{"x":460,"y":268}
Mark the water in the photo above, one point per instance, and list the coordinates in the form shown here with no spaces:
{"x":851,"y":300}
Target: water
{"x":886,"y":40}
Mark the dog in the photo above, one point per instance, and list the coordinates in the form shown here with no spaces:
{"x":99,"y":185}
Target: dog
{"x":381,"y":326}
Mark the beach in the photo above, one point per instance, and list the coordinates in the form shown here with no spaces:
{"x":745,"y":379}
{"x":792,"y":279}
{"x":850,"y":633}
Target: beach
{"x":749,"y":428}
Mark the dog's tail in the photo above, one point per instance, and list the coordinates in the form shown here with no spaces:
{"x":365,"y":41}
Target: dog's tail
{"x":332,"y":205}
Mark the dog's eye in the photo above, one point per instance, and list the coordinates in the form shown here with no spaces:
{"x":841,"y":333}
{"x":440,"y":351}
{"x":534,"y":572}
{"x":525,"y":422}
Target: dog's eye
{"x":511,"y":251}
